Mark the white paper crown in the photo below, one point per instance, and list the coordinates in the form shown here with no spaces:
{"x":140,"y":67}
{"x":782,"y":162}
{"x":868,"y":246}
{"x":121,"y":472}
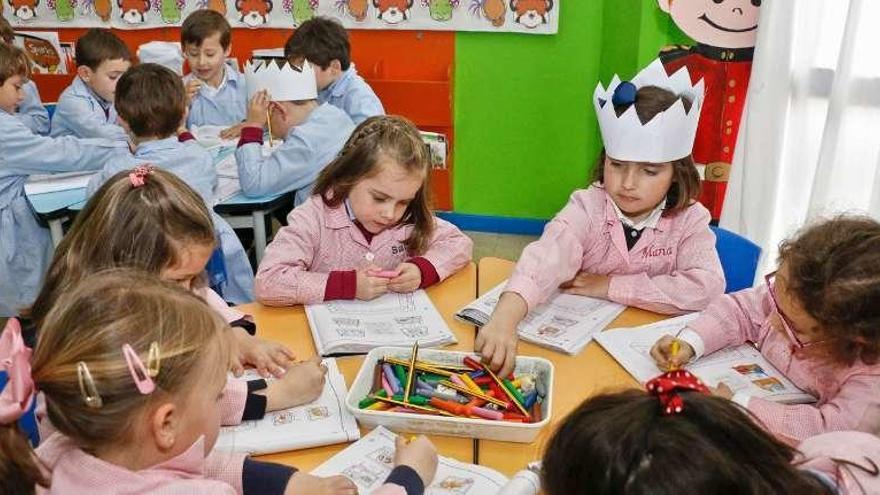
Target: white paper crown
{"x":283,"y":83}
{"x":668,"y":136}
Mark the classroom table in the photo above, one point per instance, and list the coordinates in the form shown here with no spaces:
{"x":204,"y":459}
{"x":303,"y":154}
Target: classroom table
{"x":591,"y":372}
{"x":290,"y":326}
{"x":52,"y":208}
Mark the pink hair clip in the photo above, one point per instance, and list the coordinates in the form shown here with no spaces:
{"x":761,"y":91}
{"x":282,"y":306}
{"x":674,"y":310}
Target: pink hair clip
{"x":15,"y":359}
{"x":138,"y":176}
{"x":139,"y":374}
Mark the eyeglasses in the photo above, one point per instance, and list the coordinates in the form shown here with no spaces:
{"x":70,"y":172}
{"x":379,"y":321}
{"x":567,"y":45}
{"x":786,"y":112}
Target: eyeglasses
{"x":770,"y":279}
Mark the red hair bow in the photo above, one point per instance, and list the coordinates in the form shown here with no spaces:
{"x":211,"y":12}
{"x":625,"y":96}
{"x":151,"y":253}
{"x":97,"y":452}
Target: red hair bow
{"x":15,"y":359}
{"x":667,"y":386}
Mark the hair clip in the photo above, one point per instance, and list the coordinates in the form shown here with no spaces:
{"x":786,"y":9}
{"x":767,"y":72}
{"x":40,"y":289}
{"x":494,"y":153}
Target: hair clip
{"x":138,"y":176}
{"x":624,"y":94}
{"x":138,"y":372}
{"x":667,"y":386}
{"x":153,"y":360}
{"x":87,"y":386}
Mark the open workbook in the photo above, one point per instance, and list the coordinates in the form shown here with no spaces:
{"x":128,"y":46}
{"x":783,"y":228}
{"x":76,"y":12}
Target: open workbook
{"x":325,"y":421}
{"x":353,"y":327}
{"x":368,"y":462}
{"x":742,"y":368}
{"x":565,"y":323}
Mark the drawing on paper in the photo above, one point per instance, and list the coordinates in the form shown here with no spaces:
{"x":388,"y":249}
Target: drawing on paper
{"x":284,"y":417}
{"x":383,"y":455}
{"x":317,"y":413}
{"x":453,"y":484}
{"x":351,"y":333}
{"x":415,"y":332}
{"x":362,"y":474}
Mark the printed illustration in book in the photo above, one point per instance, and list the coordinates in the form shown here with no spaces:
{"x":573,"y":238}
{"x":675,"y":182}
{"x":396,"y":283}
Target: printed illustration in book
{"x":368,"y":462}
{"x":325,"y":421}
{"x":742,"y":368}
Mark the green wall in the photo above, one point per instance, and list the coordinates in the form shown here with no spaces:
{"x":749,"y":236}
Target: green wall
{"x":525,"y":131}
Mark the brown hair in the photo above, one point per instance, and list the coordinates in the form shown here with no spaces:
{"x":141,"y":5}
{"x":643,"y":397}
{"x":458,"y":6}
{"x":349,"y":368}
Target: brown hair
{"x":833,"y":270}
{"x":151,"y":100}
{"x":98,"y":45}
{"x":685,"y":188}
{"x":6,"y":32}
{"x":621,"y":443}
{"x":319,"y":40}
{"x":393,"y":137}
{"x":125,"y":226}
{"x":13,"y":62}
{"x":90,"y":324}
{"x":202,"y":24}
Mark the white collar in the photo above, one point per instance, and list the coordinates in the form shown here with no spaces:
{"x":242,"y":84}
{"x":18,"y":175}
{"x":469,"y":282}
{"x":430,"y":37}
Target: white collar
{"x":209,"y":91}
{"x":649,"y":221}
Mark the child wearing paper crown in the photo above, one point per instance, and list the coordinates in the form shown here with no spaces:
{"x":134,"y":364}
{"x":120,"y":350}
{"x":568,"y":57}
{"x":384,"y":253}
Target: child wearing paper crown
{"x":152,"y":106}
{"x":677,"y":438}
{"x":25,"y":246}
{"x":132,"y":370}
{"x":636,"y":236}
{"x":816,"y":319}
{"x":312,"y":132}
{"x":367,"y":230}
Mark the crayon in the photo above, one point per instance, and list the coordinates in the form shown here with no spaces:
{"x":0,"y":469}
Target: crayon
{"x":513,"y":390}
{"x":367,"y":401}
{"x":530,"y":399}
{"x":470,"y":383}
{"x":507,"y":392}
{"x":392,"y":380}
{"x":400,"y":373}
{"x":471,"y":393}
{"x":413,"y":399}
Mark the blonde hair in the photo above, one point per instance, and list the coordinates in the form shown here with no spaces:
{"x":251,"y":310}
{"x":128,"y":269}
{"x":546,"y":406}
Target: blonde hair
{"x":90,"y":324}
{"x":393,"y":137}
{"x":126,"y":226}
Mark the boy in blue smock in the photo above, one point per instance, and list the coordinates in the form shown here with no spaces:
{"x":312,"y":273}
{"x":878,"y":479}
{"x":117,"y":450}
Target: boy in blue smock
{"x":85,"y":109}
{"x":216,"y":90}
{"x":152,"y":106}
{"x":31,"y":111}
{"x":25,"y":246}
{"x":324,"y":42}
{"x":312,"y":132}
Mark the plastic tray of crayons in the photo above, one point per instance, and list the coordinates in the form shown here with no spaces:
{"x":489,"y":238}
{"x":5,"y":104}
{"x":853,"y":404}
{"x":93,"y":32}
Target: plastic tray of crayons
{"x":451,"y":393}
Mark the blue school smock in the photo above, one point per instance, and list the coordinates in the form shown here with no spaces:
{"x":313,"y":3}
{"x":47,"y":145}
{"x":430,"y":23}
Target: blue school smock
{"x":82,"y":113}
{"x":353,"y":95}
{"x":31,"y":112}
{"x":226,"y":106}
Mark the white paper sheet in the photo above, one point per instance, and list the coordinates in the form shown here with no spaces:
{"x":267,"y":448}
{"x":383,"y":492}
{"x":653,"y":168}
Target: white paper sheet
{"x":392,"y":319}
{"x":742,"y":368}
{"x":368,"y":462}
{"x":46,"y":183}
{"x":565,"y":323}
{"x":323,"y":422}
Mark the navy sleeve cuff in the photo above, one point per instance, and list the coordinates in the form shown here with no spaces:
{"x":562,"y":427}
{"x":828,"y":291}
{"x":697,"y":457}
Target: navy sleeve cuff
{"x":250,"y":134}
{"x":255,"y":404}
{"x":408,"y":478}
{"x":265,"y":478}
{"x":248,"y":326}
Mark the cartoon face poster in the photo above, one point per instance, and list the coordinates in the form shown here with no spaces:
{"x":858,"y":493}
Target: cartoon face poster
{"x":725,"y":32}
{"x":518,"y":16}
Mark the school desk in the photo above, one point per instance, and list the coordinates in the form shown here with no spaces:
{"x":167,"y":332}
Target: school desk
{"x":52,"y":208}
{"x":289,"y":326}
{"x":576,"y":377}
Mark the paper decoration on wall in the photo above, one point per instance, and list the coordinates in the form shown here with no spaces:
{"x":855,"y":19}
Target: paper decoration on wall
{"x":518,"y":16}
{"x":44,"y":51}
{"x":725,"y":33}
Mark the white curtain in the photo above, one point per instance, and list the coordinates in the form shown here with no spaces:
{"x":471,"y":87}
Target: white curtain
{"x":809,"y":142}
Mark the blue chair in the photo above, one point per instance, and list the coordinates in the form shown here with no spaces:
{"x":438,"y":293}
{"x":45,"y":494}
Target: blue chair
{"x":28,"y":422}
{"x":739,"y":258}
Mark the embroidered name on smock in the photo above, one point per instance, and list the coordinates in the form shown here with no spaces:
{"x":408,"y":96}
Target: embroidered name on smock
{"x":654,"y":252}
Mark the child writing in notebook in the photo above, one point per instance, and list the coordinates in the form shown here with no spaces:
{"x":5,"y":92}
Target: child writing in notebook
{"x":216,"y":90}
{"x":152,"y":107}
{"x":323,"y":41}
{"x":816,"y":319}
{"x":132,"y":370}
{"x":25,"y":246}
{"x":312,"y":134}
{"x":636,"y":236}
{"x":85,"y":109}
{"x":367,"y":229}
{"x":677,"y":438}
{"x":31,"y":111}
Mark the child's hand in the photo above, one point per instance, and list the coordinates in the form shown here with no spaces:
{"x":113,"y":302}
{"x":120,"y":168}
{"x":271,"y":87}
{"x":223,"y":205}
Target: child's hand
{"x":369,"y":287}
{"x":304,"y":483}
{"x":231,"y":132}
{"x":496,"y":341}
{"x":723,"y":391}
{"x":266,"y":356}
{"x":419,"y":454}
{"x":258,"y":109}
{"x":587,"y":284}
{"x":410,"y":278}
{"x":664,"y":357}
{"x":192,"y":88}
{"x":303,"y":383}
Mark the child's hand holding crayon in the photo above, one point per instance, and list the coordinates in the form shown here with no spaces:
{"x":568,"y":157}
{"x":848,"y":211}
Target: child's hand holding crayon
{"x":409,"y":278}
{"x":370,"y":283}
{"x":671,"y":353}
